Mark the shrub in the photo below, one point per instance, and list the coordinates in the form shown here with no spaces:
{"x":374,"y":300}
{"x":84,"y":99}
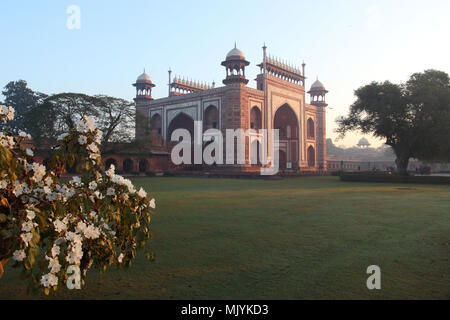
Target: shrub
{"x":55,"y":230}
{"x":150,"y":174}
{"x":168,"y":173}
{"x":393,"y":178}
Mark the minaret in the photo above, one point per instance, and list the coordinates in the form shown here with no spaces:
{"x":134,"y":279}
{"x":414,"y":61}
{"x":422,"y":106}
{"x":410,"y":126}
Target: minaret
{"x":170,"y":80}
{"x":235,"y":64}
{"x":144,"y":87}
{"x":317,"y":96}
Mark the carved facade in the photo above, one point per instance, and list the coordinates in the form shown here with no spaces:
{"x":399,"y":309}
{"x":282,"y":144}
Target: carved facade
{"x":278,"y":102}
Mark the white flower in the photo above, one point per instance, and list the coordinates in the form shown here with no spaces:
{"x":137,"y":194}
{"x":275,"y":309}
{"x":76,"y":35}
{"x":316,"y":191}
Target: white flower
{"x":39,"y":172}
{"x":92,"y":232}
{"x":53,"y":264}
{"x":85,"y":125}
{"x":73,"y":237}
{"x":3,"y":184}
{"x":94,"y":156}
{"x":28,"y":226}
{"x":110,"y":192}
{"x":81,"y":227}
{"x":92,"y":185}
{"x":59,"y":226}
{"x":55,"y":250}
{"x":142,"y":193}
{"x":20,"y":188}
{"x":98,"y":137}
{"x":98,"y":195}
{"x":111,"y":171}
{"x":26,"y":237}
{"x":7,"y":111}
{"x":10,"y":115}
{"x":82,"y":140}
{"x":19,"y":255}
{"x":152,"y":204}
{"x":93,"y":148}
{"x":120,"y":258}
{"x":51,"y":196}
{"x":24,"y":135}
{"x":48,"y":181}
{"x":30,"y":215}
{"x":62,"y":136}
{"x":75,"y":180}
{"x":29,"y":152}
{"x":49,"y":280}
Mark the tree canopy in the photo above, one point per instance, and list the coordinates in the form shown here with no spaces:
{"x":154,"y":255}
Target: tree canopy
{"x":413,"y":118}
{"x":19,"y":96}
{"x":59,"y":113}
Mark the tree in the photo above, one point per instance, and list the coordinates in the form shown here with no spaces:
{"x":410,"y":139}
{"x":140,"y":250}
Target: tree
{"x":22,"y":99}
{"x":413,"y":118}
{"x":40,"y":123}
{"x":116,"y":118}
{"x":54,"y":230}
{"x":58,"y":113}
{"x":68,"y":108}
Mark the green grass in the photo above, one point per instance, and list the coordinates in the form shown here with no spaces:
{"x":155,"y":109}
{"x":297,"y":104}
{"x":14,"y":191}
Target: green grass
{"x":298,"y":238}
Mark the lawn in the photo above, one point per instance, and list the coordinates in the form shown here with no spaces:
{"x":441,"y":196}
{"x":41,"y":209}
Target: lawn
{"x":298,"y":238}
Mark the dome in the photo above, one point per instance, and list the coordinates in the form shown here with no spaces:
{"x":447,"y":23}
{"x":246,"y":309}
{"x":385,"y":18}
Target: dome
{"x":317,"y":85}
{"x":144,"y":78}
{"x":363,"y":142}
{"x":235,"y":53}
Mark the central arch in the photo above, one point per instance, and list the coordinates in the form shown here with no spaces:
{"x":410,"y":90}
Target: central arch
{"x":286,"y":121}
{"x":182,"y":121}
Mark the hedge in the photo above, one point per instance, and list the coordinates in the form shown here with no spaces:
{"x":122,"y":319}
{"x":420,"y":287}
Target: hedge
{"x":386,"y":178}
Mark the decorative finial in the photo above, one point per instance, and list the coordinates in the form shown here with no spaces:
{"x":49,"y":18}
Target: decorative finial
{"x":235,"y":44}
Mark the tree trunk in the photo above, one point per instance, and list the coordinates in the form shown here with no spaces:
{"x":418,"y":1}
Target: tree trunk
{"x":402,"y":165}
{"x":2,"y":263}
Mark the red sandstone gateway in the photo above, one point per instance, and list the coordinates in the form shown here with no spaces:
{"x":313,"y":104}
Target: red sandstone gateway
{"x":278,"y":102}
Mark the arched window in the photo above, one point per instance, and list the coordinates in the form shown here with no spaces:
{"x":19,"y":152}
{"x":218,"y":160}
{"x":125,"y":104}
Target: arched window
{"x":143,"y":165}
{"x":211,"y":118}
{"x":127,"y":165}
{"x":311,"y":157}
{"x":255,"y":118}
{"x":156,"y":125}
{"x":310,"y":128}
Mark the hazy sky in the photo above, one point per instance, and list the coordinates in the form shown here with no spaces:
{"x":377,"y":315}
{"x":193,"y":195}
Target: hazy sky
{"x":346,"y":43}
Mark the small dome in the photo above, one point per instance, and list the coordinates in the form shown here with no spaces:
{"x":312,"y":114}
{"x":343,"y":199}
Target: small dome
{"x":363,"y":142}
{"x":144,"y":78}
{"x":317,"y":85}
{"x":235,"y":53}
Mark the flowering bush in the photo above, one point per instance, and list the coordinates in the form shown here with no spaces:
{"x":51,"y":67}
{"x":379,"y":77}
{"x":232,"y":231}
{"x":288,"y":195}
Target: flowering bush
{"x":56,"y":230}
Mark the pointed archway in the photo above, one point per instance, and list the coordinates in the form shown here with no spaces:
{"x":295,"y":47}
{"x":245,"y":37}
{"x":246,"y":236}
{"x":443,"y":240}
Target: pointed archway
{"x":182,"y":121}
{"x":286,"y":121}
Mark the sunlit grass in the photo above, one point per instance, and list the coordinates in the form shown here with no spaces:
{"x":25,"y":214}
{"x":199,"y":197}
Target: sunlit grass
{"x":300,"y":238}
